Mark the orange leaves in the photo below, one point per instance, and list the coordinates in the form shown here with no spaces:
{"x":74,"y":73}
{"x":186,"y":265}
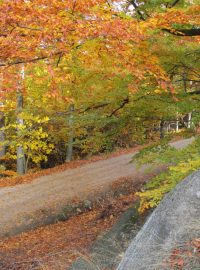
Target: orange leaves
{"x":44,"y":29}
{"x":190,"y":16}
{"x":50,"y":27}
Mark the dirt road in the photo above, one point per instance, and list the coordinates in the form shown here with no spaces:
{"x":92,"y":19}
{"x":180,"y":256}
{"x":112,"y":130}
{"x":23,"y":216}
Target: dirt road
{"x":28,"y":205}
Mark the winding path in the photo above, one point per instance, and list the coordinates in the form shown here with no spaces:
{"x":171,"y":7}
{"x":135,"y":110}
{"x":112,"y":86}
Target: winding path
{"x":25,"y":206}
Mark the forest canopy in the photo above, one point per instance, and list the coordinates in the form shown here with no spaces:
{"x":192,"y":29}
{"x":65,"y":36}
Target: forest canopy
{"x":84,"y":77}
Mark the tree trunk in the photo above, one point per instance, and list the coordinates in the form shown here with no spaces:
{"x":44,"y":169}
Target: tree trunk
{"x":20,"y":152}
{"x":177,"y":123}
{"x":185,"y":80}
{"x":2,"y":136}
{"x":2,"y":124}
{"x":69,"y":153}
{"x":189,"y":120}
{"x":162,"y":133}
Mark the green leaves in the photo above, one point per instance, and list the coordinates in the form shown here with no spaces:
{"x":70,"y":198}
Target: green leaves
{"x":184,"y":161}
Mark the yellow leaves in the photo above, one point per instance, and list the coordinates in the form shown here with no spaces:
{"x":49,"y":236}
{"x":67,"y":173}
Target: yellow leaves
{"x":185,"y":167}
{"x":30,"y":118}
{"x":150,"y":198}
{"x":166,"y":182}
{"x":46,"y":119}
{"x":158,"y":91}
{"x":10,"y":156}
{"x":161,"y":91}
{"x":31,"y":137}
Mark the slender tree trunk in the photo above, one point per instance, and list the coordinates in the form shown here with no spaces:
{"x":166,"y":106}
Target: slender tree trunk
{"x":2,"y":124}
{"x":189,"y":120}
{"x":20,"y":122}
{"x":162,"y":133}
{"x":185,"y":80}
{"x":2,"y":136}
{"x":26,"y":161}
{"x":168,"y":127}
{"x":69,"y":153}
{"x":20,"y":152}
{"x":177,"y":123}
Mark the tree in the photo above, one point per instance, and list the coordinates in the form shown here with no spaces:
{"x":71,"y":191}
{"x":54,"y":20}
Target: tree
{"x":123,"y":70}
{"x":31,"y":138}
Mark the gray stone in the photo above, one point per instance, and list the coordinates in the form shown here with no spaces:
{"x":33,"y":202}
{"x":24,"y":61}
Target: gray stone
{"x":176,"y":220}
{"x":88,"y":204}
{"x":82,"y":264}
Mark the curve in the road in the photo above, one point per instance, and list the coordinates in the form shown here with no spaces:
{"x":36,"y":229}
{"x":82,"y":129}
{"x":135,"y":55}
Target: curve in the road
{"x":24,"y":205}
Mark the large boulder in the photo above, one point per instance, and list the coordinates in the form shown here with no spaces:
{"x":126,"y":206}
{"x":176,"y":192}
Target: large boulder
{"x":174,"y":222}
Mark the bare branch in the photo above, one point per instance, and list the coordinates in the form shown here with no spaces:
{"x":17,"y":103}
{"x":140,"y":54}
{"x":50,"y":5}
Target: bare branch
{"x":174,"y":3}
{"x":125,"y":101}
{"x":137,"y":10}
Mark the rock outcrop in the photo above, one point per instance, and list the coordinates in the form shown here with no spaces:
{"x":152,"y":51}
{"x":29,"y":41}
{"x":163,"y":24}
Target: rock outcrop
{"x":175,"y":221}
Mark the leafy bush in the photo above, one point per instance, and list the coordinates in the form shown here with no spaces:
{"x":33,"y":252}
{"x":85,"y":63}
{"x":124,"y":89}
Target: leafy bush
{"x":182,"y":163}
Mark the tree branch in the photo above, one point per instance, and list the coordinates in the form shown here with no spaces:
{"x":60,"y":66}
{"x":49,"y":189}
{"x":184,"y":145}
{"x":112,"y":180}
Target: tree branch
{"x":125,"y":101}
{"x":174,"y":3}
{"x":197,"y":92}
{"x":184,"y":32}
{"x":95,"y":107}
{"x":177,"y":32}
{"x":92,"y":107}
{"x":132,"y":2}
{"x":18,"y":62}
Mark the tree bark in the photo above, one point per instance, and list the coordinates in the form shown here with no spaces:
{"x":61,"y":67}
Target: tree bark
{"x":20,"y":122}
{"x":69,"y":153}
{"x":2,"y":136}
{"x":2,"y":124}
{"x":162,"y":134}
{"x":20,"y":151}
{"x":189,"y":120}
{"x":177,"y":123}
{"x":184,"y":32}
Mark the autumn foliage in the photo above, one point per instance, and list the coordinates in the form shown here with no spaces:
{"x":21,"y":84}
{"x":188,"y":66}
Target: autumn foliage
{"x":99,"y":56}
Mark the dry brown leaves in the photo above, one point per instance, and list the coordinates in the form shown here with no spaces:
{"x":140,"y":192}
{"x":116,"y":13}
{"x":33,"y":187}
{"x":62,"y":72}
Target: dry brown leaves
{"x":56,"y":246}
